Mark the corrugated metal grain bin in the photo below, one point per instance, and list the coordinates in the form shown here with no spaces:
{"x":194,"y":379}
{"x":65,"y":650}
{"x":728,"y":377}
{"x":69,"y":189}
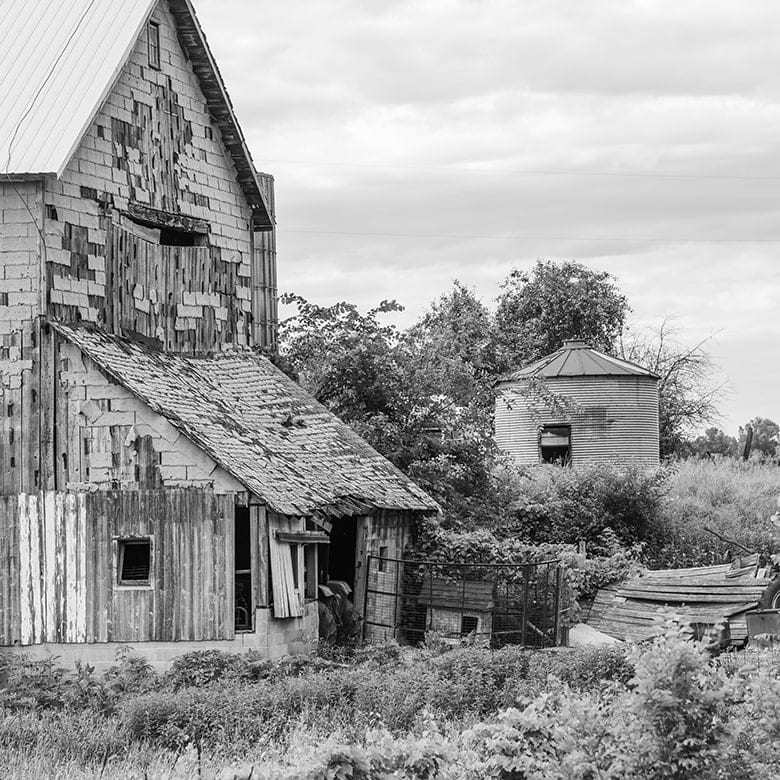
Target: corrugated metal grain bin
{"x":609,"y":414}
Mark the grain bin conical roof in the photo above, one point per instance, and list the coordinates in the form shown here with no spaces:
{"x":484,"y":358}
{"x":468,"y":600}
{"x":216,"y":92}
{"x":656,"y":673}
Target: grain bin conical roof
{"x":577,"y":358}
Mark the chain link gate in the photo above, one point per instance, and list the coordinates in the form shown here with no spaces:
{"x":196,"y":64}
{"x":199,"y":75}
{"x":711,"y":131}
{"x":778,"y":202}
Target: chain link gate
{"x":497,"y":604}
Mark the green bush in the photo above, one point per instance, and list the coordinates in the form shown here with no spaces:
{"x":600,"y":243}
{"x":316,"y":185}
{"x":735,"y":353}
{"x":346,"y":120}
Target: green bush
{"x":201,"y":667}
{"x":567,"y":505}
{"x":132,"y":673}
{"x":32,"y":684}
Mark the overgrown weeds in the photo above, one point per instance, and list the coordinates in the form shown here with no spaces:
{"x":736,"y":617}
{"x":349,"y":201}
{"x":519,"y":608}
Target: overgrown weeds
{"x":660,"y":710}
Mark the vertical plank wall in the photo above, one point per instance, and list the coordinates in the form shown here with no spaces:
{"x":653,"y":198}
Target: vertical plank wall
{"x":58,"y":580}
{"x":390,"y":530}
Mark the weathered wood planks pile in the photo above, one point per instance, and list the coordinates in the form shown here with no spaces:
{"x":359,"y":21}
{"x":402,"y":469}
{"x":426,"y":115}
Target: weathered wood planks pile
{"x":705,"y":596}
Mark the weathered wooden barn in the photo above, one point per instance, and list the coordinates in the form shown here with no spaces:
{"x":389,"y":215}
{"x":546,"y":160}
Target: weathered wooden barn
{"x":579,"y":406}
{"x":161,"y":482}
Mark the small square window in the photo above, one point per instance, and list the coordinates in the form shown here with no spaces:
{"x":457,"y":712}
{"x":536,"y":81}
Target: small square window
{"x":468,"y":624}
{"x":154,"y":45}
{"x":134,"y":561}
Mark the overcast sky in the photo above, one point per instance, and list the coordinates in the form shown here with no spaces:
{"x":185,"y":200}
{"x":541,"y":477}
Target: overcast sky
{"x":463,"y":134}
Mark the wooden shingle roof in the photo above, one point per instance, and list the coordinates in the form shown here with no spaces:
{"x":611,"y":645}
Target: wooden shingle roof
{"x":258,"y":424}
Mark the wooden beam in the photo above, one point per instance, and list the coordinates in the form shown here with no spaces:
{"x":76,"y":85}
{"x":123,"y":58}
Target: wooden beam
{"x":302,"y":537}
{"x":150,"y":216}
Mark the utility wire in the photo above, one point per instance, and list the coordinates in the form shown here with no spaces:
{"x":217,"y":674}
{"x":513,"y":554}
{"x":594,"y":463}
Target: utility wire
{"x":534,"y":237}
{"x":527,"y":172}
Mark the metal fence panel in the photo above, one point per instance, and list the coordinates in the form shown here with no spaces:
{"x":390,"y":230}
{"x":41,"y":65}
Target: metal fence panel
{"x":495,"y":604}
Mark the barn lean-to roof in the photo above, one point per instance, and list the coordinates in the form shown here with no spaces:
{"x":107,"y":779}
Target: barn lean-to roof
{"x":58,"y":63}
{"x":258,"y":424}
{"x":577,"y":358}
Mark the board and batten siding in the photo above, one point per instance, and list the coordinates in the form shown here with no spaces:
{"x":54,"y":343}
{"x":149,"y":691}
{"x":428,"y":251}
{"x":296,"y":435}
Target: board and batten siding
{"x":58,"y":577}
{"x":615,"y":421}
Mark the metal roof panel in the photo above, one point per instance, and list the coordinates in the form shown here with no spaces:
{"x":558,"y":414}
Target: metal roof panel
{"x":62,"y":60}
{"x":576,"y":358}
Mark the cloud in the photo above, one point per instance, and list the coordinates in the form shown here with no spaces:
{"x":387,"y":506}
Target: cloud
{"x":389,"y":118}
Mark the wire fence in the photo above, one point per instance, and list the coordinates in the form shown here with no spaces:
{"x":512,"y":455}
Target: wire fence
{"x":495,"y":604}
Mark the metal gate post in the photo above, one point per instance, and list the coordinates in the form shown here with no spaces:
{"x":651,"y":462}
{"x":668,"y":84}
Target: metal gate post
{"x":365,"y":598}
{"x":557,"y":604}
{"x":525,"y":604}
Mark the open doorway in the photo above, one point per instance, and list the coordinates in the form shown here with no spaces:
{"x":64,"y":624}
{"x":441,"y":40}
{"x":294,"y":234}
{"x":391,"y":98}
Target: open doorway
{"x":340,"y":562}
{"x":243,"y":570}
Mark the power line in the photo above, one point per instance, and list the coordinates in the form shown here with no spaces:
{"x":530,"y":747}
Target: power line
{"x":528,"y":172}
{"x":534,"y":237}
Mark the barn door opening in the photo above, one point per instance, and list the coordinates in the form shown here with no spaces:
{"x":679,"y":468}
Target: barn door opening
{"x":244,"y":608}
{"x":342,"y":549}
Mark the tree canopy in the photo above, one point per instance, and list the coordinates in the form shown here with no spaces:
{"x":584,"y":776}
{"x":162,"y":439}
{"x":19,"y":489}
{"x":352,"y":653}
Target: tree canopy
{"x":424,"y":396}
{"x":538,"y":311}
{"x":766,"y":437}
{"x":687,"y":397}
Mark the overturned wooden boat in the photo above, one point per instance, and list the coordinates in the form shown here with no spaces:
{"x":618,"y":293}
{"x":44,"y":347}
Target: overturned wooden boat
{"x":706,"y":596}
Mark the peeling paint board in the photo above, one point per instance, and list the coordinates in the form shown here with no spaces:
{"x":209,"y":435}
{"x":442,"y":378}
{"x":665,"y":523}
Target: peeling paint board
{"x":71,"y":569}
{"x":24,"y":572}
{"x":81,"y":560}
{"x":50,"y":565}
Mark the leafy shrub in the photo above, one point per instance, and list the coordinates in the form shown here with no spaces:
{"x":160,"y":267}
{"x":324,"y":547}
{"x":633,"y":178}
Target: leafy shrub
{"x":676,"y":704}
{"x":567,"y":505}
{"x":582,"y":669}
{"x":132,"y":673}
{"x":32,"y":684}
{"x":201,"y":667}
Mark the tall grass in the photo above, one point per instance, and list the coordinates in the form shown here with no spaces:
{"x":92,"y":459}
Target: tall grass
{"x":733,"y":498}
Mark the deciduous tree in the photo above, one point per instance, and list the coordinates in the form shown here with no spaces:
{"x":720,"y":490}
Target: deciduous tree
{"x":686,"y":391}
{"x":766,"y":437}
{"x":538,"y":311}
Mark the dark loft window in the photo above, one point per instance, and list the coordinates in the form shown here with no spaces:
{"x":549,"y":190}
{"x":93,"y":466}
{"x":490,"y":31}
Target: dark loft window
{"x":165,"y":235}
{"x":135,"y":560}
{"x":154,"y":45}
{"x":555,"y":444}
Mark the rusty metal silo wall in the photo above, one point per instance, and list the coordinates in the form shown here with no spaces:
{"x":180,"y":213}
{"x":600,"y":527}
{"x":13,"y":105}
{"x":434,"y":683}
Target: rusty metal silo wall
{"x":615,"y":420}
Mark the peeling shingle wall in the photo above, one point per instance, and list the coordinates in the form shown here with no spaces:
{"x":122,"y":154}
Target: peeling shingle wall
{"x":19,"y":296}
{"x":109,"y":438}
{"x":153,"y":144}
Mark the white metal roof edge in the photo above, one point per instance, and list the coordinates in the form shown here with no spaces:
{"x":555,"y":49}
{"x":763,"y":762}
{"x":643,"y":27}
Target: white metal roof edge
{"x":110,"y":82}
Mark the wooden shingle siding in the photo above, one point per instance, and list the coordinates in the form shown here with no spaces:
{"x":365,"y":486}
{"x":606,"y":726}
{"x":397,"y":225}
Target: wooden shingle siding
{"x":154,"y":145}
{"x":616,"y":420}
{"x":58,"y":579}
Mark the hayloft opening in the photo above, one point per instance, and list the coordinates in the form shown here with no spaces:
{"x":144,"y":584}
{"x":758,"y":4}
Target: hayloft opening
{"x":555,"y":444}
{"x":164,"y":228}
